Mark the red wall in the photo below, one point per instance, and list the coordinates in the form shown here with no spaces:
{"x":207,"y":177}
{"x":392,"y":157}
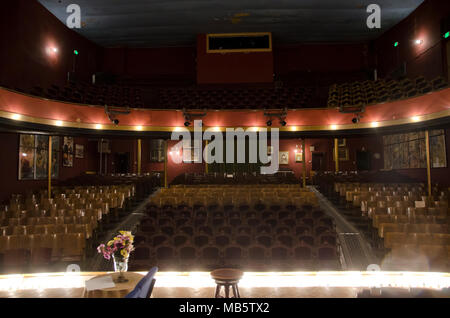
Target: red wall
{"x":425,"y":59}
{"x":27,"y":30}
{"x":150,"y":63}
{"x":9,"y":143}
{"x":254,"y":67}
{"x":321,"y":58}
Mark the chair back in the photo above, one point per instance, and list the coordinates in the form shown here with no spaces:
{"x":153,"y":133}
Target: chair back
{"x":144,"y":288}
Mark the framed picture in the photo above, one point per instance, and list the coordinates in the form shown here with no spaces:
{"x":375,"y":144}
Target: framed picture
{"x":284,"y":158}
{"x":342,"y":142}
{"x":34,"y":156}
{"x":342,"y":154}
{"x":299,"y":157}
{"x":68,"y":152}
{"x":79,"y":151}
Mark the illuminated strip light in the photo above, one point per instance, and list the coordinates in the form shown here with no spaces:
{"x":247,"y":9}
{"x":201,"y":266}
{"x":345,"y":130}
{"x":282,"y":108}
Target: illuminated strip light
{"x":16,"y":116}
{"x":349,"y":279}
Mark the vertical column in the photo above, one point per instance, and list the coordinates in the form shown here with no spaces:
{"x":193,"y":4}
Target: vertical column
{"x":304,"y":162}
{"x":165,"y":163}
{"x":427,"y":150}
{"x":206,"y":164}
{"x":336,"y":155}
{"x":139,"y":155}
{"x":49,"y":167}
{"x":101,"y":155}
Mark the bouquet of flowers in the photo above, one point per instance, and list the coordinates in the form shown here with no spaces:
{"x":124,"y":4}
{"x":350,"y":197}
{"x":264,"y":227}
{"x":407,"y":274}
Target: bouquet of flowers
{"x":119,"y":247}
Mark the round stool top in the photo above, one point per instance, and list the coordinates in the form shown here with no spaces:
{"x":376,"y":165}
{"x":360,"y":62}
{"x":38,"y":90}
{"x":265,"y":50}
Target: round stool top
{"x":227,"y":274}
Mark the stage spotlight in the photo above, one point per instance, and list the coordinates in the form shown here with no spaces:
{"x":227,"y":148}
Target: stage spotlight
{"x":115,"y":121}
{"x":355,"y":120}
{"x":187,"y":124}
{"x":418,"y":41}
{"x":283,"y":123}
{"x":269,"y":123}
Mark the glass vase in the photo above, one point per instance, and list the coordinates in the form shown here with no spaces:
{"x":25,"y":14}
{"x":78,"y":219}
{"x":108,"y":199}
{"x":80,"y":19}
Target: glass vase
{"x":120,"y":266}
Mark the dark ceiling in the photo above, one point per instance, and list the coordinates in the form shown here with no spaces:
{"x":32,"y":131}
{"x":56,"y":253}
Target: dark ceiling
{"x":158,"y":23}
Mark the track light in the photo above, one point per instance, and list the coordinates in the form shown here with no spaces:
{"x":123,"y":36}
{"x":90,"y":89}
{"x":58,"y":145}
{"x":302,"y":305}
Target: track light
{"x":283,"y":123}
{"x":355,"y":120}
{"x":269,"y":123}
{"x":187,"y":124}
{"x":115,"y":121}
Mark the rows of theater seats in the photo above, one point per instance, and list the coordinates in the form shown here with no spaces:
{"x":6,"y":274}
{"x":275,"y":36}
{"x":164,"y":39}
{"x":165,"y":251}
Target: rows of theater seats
{"x":259,"y":227}
{"x":144,"y":183}
{"x":228,"y":98}
{"x":404,"y":220}
{"x":380,"y":91}
{"x":39,"y":231}
{"x":85,"y":93}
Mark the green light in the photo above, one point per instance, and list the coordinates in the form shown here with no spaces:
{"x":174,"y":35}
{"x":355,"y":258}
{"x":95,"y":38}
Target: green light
{"x":447,"y":35}
{"x":396,"y":44}
{"x":75,"y":52}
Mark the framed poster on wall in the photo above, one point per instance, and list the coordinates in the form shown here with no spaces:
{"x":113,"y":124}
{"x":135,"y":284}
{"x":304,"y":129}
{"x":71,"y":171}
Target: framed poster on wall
{"x":284,"y":157}
{"x":79,"y":151}
{"x":33,"y":157}
{"x":68,"y":152}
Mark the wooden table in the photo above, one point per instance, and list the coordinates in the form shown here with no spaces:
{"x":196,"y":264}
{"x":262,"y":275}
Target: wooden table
{"x":118,"y":291}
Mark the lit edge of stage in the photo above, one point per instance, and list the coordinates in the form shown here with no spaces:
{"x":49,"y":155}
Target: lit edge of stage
{"x":352,"y":279}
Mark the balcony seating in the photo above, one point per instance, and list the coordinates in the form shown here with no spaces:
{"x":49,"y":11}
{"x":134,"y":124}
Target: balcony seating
{"x":380,"y":91}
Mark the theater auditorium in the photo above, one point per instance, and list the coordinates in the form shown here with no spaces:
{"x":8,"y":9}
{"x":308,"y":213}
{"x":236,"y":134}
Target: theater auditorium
{"x":257,"y":149}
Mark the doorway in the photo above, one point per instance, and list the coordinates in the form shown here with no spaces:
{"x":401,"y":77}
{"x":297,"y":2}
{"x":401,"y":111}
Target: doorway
{"x":122,"y":162}
{"x":362,"y":160}
{"x":318,"y":161}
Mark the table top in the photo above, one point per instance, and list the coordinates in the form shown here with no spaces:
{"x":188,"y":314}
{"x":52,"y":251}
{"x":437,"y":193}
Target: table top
{"x":120,"y":290}
{"x":227,"y":274}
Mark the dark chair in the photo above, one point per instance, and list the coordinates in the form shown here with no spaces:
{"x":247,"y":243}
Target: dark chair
{"x":187,"y":230}
{"x":243,"y":240}
{"x":180,"y":239}
{"x":222,"y":240}
{"x":303,"y":253}
{"x":264,"y":240}
{"x":187,"y":254}
{"x":145,"y":286}
{"x":286,"y":240}
{"x":159,"y":239}
{"x":201,"y":240}
{"x":210,"y":255}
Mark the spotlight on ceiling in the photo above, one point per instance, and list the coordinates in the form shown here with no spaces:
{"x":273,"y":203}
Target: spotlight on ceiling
{"x":187,"y":124}
{"x":269,"y":123}
{"x":283,"y":123}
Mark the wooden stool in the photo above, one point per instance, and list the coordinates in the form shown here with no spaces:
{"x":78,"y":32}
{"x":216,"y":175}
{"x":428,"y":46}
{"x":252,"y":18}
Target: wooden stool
{"x":227,"y":277}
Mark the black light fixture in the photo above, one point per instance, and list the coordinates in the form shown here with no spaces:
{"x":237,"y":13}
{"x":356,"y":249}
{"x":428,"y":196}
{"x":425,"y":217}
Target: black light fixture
{"x":281,"y":115}
{"x":111,"y":112}
{"x":356,"y":119}
{"x":188,"y":117}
